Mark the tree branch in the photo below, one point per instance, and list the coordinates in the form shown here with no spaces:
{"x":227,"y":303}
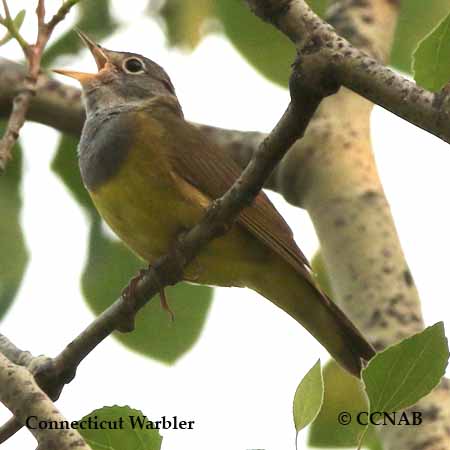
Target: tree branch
{"x":354,"y":68}
{"x":9,"y":429}
{"x":21,"y":395}
{"x":14,"y":354}
{"x":45,"y":375}
{"x":19,"y":357}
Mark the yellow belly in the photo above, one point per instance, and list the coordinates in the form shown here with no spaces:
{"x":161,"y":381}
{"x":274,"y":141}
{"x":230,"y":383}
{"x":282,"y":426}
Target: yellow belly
{"x":148,"y":211}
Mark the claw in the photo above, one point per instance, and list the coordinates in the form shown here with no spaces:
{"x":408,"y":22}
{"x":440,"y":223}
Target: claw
{"x":129,"y":297}
{"x":129,"y":293}
{"x":165,"y":304}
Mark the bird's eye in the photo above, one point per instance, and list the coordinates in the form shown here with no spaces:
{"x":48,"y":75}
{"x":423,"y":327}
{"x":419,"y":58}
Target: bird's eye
{"x":133,"y":65}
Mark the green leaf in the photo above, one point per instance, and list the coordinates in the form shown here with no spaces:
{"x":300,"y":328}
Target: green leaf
{"x":343,"y":394}
{"x":109,"y":267}
{"x":14,"y":254}
{"x":123,"y":435}
{"x":431,"y":59}
{"x":268,"y":50}
{"x":416,"y":19}
{"x":308,"y":397}
{"x":17,"y":21}
{"x":321,"y":274}
{"x":404,"y":373}
{"x":185,"y":21}
{"x":94,"y":18}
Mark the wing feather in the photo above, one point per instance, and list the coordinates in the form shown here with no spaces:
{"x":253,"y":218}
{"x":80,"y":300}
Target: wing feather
{"x":212,"y":171}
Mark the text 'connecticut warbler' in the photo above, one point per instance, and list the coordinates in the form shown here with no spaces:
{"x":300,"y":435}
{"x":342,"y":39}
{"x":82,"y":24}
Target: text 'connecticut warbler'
{"x":152,"y":175}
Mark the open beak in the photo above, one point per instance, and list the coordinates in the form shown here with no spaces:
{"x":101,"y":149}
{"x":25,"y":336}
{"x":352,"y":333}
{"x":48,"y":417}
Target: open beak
{"x":97,"y":52}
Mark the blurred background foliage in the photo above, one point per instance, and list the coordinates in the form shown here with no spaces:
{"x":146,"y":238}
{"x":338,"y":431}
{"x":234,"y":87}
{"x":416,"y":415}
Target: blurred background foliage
{"x":13,"y":254}
{"x":109,"y":264}
{"x":267,"y":49}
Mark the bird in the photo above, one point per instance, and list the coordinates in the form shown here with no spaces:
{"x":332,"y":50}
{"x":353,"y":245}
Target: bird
{"x":152,"y":175}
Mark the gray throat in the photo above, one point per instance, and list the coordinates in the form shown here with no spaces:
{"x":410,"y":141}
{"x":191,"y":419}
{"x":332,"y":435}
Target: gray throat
{"x":105,"y":142}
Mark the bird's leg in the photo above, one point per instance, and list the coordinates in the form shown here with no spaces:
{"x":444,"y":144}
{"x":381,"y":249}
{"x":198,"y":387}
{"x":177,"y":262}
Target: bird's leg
{"x":129,"y":297}
{"x":129,"y":292}
{"x":173,"y":250}
{"x":129,"y":300}
{"x":165,"y":304}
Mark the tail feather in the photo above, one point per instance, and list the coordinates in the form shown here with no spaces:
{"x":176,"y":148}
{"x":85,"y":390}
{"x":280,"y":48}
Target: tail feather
{"x":297,"y":294}
{"x":359,"y":349}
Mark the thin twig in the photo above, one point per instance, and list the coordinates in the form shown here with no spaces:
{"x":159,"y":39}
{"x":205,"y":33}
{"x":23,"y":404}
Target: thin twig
{"x":33,"y":54}
{"x":9,"y":24}
{"x":61,"y":13}
{"x":40,"y":13}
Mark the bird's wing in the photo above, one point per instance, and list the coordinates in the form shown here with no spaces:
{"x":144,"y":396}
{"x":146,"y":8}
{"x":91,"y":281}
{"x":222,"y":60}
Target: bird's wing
{"x":200,"y":162}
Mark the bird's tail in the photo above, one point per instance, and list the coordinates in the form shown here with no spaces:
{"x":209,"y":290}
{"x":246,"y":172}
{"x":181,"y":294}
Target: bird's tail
{"x":297,"y":294}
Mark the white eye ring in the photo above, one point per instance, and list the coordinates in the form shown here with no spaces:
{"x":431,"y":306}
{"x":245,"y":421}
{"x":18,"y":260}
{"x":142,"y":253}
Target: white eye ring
{"x":133,"y":66}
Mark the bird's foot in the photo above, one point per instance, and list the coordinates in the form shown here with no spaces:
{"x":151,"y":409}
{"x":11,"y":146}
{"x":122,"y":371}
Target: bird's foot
{"x":165,"y":304}
{"x":129,"y":304}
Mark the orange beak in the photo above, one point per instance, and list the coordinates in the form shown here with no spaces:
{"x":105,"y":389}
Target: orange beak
{"x":82,"y":77}
{"x":97,"y":52}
